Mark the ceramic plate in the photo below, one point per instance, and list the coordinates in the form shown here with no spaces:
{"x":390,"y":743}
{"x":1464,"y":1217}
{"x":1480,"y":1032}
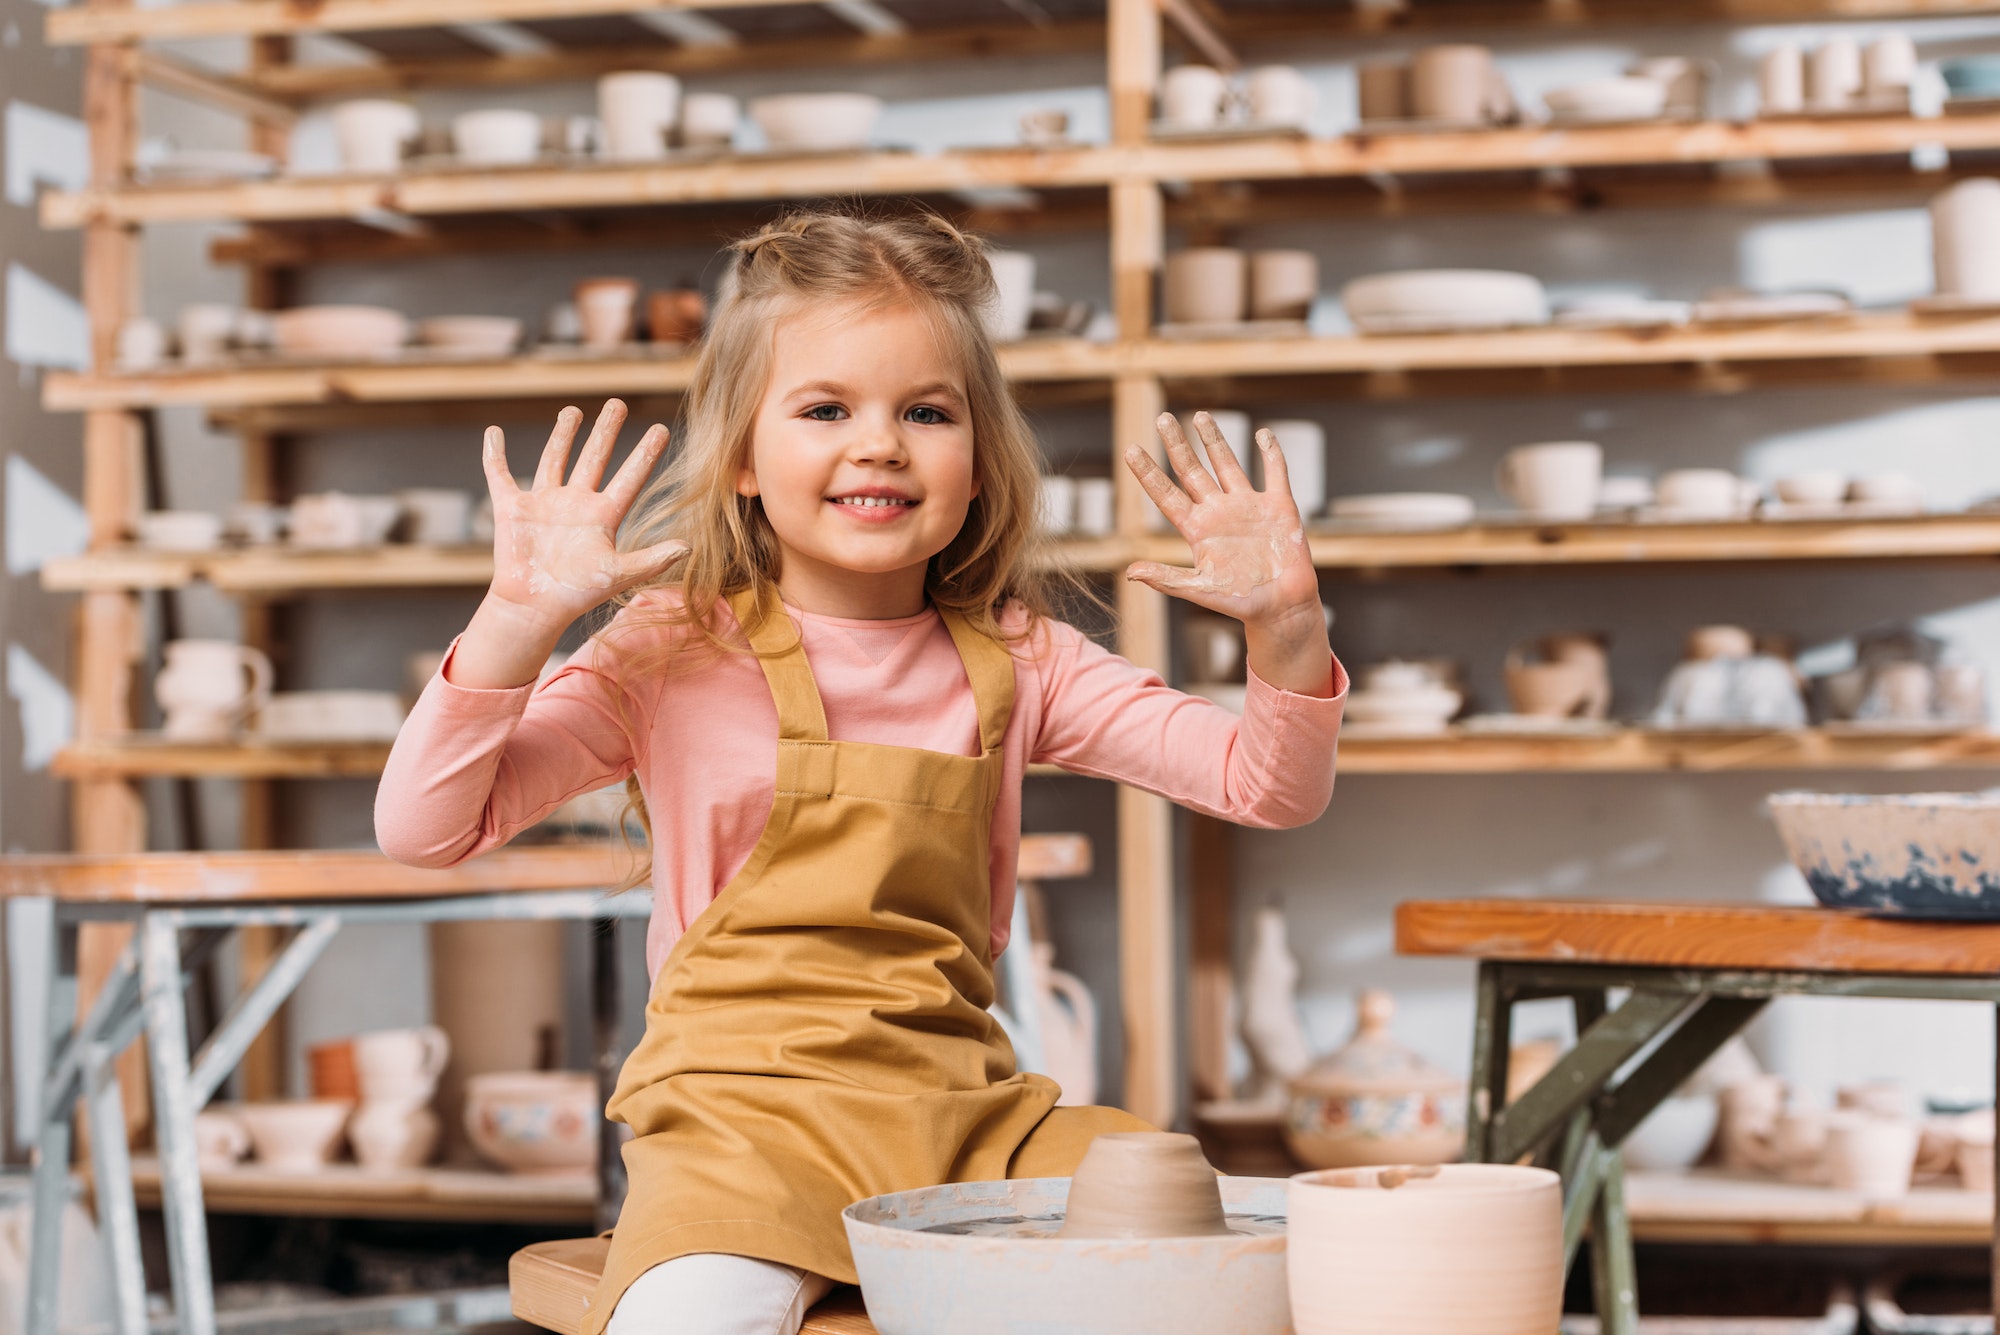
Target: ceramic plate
{"x":1531,"y":725}
{"x":1230,"y":130}
{"x":1403,"y":510}
{"x":1945,"y":304}
{"x":1237,"y":329}
{"x":1635,"y":314}
{"x":1762,"y":308}
{"x":1427,"y":323}
{"x":208,"y":164}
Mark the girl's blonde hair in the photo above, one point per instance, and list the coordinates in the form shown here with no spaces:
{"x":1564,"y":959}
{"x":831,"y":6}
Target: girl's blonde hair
{"x":819,"y":257}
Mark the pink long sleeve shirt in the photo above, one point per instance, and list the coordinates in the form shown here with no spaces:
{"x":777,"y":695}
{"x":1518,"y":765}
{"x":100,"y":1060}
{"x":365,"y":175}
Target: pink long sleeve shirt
{"x":472,"y":768}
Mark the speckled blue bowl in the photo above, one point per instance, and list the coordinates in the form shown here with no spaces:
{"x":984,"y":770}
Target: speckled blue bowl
{"x":1910,"y":855}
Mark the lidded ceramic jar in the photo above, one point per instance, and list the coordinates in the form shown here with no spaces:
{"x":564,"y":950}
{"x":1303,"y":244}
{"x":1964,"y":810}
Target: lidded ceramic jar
{"x":1375,"y":1101}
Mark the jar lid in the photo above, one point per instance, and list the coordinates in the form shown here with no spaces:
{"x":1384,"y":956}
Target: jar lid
{"x":1373,"y":1062}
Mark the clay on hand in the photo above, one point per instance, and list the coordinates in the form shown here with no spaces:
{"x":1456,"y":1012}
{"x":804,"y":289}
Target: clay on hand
{"x":1143,"y":1184}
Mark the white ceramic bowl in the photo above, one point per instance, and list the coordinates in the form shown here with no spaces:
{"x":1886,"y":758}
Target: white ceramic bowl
{"x":339,"y":331}
{"x":1433,"y":300}
{"x":496,"y":137}
{"x":180,"y":530}
{"x":331,"y":716}
{"x":473,"y":335}
{"x":294,"y":1135}
{"x":1404,"y":509}
{"x":1673,"y":1136}
{"x":1414,"y":706}
{"x":1597,"y":101}
{"x":1917,"y":855}
{"x":817,"y":120}
{"x":534,"y":1121}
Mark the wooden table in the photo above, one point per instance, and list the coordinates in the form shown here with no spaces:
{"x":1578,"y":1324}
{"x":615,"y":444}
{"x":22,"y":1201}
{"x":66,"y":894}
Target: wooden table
{"x":1697,"y":973}
{"x":181,"y":907}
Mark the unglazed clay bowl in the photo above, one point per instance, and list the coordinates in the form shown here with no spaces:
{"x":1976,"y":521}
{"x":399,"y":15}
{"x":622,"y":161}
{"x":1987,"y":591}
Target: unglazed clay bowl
{"x":534,"y":1121}
{"x":471,"y":335}
{"x":339,"y":331}
{"x":939,"y":1261}
{"x":1607,"y":101}
{"x":817,"y":120}
{"x":294,"y":1135}
{"x":1421,"y":301}
{"x":1912,"y":855}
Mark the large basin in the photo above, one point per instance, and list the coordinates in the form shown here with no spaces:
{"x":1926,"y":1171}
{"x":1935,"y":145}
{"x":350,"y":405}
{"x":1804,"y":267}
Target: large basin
{"x":1915,"y":855}
{"x":926,"y":1283}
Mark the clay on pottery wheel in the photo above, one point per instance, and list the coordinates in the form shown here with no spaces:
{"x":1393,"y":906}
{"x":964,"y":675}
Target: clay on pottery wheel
{"x":1143,"y":1184}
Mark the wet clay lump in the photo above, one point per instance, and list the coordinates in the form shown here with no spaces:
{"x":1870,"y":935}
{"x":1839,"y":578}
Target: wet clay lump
{"x":1143,"y":1184}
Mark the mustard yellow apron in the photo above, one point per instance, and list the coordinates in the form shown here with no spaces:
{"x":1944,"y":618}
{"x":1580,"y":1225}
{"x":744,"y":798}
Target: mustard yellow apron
{"x":821,"y":1033}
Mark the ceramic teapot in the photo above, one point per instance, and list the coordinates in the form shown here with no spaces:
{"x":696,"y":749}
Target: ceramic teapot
{"x":208,"y":687}
{"x":1374,"y":1101}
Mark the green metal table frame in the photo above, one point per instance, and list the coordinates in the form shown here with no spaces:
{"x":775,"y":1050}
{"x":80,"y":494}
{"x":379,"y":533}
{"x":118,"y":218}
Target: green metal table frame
{"x":1628,"y":1057}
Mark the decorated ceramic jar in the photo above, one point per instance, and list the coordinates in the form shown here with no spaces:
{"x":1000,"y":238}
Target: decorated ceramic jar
{"x":1375,"y":1102}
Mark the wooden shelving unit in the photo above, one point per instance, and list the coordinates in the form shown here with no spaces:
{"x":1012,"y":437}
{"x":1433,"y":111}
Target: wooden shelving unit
{"x":1708,"y":1206}
{"x":344,"y":1191}
{"x":1130,"y":189}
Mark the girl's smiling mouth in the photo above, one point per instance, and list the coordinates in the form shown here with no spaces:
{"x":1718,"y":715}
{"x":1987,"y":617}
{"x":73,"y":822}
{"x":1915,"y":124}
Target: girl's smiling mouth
{"x":874,"y":504}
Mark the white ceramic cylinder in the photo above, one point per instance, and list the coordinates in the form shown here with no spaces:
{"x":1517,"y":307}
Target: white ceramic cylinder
{"x":1006,"y":319}
{"x":1873,"y":1156}
{"x":1833,"y":75}
{"x":1452,"y":84}
{"x":1781,"y":81}
{"x":1283,"y":284}
{"x":142,"y":344}
{"x":608,"y":308}
{"x":1468,"y":1247}
{"x":1096,"y":506}
{"x":1056,"y":507}
{"x":1889,"y":65}
{"x":1280,"y":95}
{"x":1965,"y":240}
{"x":1191,"y":96}
{"x":496,"y":137}
{"x":438,"y":516}
{"x":1555,"y":480}
{"x":373,"y":132}
{"x":1206,"y":285}
{"x":637,"y":107}
{"x":1304,"y":444}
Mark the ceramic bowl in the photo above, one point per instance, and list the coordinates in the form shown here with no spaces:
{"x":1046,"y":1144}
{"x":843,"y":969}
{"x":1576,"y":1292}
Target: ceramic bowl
{"x":1435,"y":300}
{"x":331,"y":716}
{"x":1421,"y":708}
{"x":180,"y":530}
{"x":1404,"y":509}
{"x":1972,"y":76}
{"x":920,"y":1281}
{"x":817,"y":120}
{"x":534,"y":1121}
{"x":294,"y":1135}
{"x":1673,"y":1137}
{"x":473,"y":335}
{"x":1916,"y":855}
{"x":1598,"y":101}
{"x":339,"y":331}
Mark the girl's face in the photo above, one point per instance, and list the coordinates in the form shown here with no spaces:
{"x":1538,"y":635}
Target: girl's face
{"x":862,"y":453}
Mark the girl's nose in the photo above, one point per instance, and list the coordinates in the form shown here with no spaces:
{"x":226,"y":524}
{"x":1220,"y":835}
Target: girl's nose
{"x":879,"y":444}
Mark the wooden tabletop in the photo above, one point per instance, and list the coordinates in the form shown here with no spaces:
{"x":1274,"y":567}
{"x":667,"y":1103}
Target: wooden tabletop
{"x":551,"y":1283}
{"x":1710,"y":936}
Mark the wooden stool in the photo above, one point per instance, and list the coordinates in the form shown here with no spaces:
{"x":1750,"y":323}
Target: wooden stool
{"x":550,"y":1283}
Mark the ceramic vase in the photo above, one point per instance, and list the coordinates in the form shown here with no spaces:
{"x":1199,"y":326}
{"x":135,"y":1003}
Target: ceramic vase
{"x":1437,"y":1251}
{"x":1272,"y":1027}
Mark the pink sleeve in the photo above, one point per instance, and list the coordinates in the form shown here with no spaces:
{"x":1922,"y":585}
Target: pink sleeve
{"x":1107,"y":717}
{"x":473,"y":768}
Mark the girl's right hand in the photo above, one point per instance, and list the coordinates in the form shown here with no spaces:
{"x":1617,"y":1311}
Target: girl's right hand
{"x":555,"y":545}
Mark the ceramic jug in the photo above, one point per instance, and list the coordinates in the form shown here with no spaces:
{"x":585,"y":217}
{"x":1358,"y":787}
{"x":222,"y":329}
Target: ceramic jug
{"x":1068,"y":1015}
{"x":1272,"y":1027}
{"x":208,"y":687}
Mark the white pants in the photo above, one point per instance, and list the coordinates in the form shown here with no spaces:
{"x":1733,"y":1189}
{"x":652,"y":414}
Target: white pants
{"x":711,"y":1293}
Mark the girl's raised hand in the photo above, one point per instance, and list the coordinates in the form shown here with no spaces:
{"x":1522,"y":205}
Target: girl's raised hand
{"x":555,"y":545}
{"x":1249,"y":548}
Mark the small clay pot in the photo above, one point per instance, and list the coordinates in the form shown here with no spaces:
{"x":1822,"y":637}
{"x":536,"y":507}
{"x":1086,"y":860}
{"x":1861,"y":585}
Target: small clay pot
{"x":1453,"y":84}
{"x":1283,"y":284}
{"x":1206,"y":285}
{"x":1143,"y":1184}
{"x":606,"y":307}
{"x":1384,"y":87}
{"x":1873,"y":1156}
{"x":330,"y":1070}
{"x":1548,"y":690}
{"x":676,"y":315}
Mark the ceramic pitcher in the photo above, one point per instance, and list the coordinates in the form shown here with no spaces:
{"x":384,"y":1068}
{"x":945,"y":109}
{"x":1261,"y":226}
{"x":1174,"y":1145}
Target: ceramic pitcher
{"x":209,"y":686}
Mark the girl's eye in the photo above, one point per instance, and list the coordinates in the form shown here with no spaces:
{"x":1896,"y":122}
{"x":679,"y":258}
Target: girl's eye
{"x":826,"y":412}
{"x":925,"y":415}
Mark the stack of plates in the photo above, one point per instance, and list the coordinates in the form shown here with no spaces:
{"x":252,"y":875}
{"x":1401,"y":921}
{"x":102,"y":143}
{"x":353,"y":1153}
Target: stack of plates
{"x":1430,"y":301}
{"x":1404,"y":509}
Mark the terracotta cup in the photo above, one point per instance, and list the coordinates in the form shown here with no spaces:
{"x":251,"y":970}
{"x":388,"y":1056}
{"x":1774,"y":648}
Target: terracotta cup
{"x":1206,"y":285}
{"x":1452,"y":84}
{"x":1426,"y":1251}
{"x":1965,"y":240}
{"x":676,"y":315}
{"x":330,"y":1071}
{"x":607,"y":307}
{"x":1283,"y":284}
{"x":1383,"y":87}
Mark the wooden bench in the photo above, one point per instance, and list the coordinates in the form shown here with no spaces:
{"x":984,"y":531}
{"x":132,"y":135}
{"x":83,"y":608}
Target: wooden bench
{"x":551,"y":1282}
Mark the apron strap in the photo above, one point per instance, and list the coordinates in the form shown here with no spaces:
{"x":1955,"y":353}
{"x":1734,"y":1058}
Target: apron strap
{"x":782,"y":655}
{"x":989,"y":666}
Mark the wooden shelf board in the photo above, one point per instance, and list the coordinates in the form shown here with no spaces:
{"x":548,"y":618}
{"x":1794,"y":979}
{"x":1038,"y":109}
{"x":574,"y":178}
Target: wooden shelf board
{"x":747,"y":178}
{"x":1638,"y":750}
{"x":142,"y":755}
{"x":347,"y":1191}
{"x":1709,"y":1206}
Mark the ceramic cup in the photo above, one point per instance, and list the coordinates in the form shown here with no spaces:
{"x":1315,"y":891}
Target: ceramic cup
{"x":1214,"y":647}
{"x":1965,"y":240}
{"x":220,"y":1140}
{"x":209,"y":686}
{"x":1888,"y":66}
{"x":496,"y":137}
{"x":400,"y":1063}
{"x":1283,"y":284}
{"x":1974,"y":1161}
{"x":676,"y":315}
{"x":206,"y":330}
{"x":1548,"y":690}
{"x":1206,"y":285}
{"x":330,"y":1072}
{"x":1898,"y":489}
{"x":1822,"y":487}
{"x":1555,"y":480}
{"x":1873,"y":1156}
{"x":1192,"y":96}
{"x":1055,"y":507}
{"x":607,"y":308}
{"x":437,"y":516}
{"x":1280,"y":95}
{"x":1044,"y":127}
{"x":1833,"y":74}
{"x":295,"y":1135}
{"x":709,"y":120}
{"x":1452,"y":84}
{"x":391,"y":1134}
{"x":373,"y":134}
{"x":142,"y":344}
{"x":1781,"y":81}
{"x":1699,"y":493}
{"x":180,"y":530}
{"x":1304,"y":444}
{"x":334,"y":520}
{"x":1383,"y":90}
{"x":638,"y":108}
{"x":1006,"y":319}
{"x":1096,"y":506}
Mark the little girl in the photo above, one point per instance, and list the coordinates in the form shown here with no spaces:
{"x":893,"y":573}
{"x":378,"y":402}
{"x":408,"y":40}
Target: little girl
{"x":832,"y":666}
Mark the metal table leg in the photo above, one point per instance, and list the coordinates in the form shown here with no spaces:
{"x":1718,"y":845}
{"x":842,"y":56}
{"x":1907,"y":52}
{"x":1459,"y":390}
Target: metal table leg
{"x":117,"y":1211}
{"x":52,"y":1145}
{"x":1613,"y":1272}
{"x":180,"y":1174}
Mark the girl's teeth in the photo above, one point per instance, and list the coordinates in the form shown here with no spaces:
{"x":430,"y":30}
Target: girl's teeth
{"x":870,"y":501}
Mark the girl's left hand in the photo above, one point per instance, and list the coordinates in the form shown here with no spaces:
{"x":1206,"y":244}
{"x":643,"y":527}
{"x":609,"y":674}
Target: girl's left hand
{"x":1251,"y":561}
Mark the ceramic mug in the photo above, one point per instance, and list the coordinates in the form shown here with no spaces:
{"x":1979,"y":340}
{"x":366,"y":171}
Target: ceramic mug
{"x":1055,"y":505}
{"x":1280,"y":95}
{"x":401,"y":1063}
{"x":220,"y":1140}
{"x":638,"y":108}
{"x":209,"y":686}
{"x":1006,"y":318}
{"x":1889,"y":66}
{"x":1872,"y":1156}
{"x":437,"y":516}
{"x":607,"y":307}
{"x":496,"y":137}
{"x":1965,"y":240}
{"x":1556,"y":480}
{"x":1283,"y":284}
{"x":1833,"y":75}
{"x":1452,"y":84}
{"x":1192,"y":96}
{"x":1548,"y":690}
{"x":709,"y":120}
{"x":1096,"y":506}
{"x":1781,"y":81}
{"x":1383,"y":90}
{"x":206,"y":330}
{"x":373,"y":133}
{"x":142,"y":344}
{"x":1206,"y":285}
{"x":1699,"y":493}
{"x":1303,"y":443}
